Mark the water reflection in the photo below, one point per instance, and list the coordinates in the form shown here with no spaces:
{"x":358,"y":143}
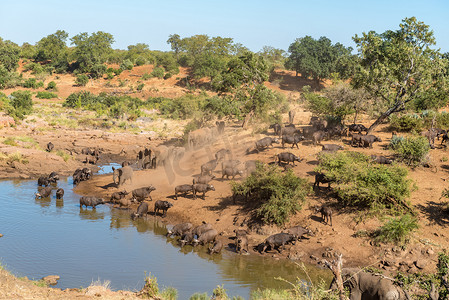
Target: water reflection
{"x":91,"y":214}
{"x":59,"y":203}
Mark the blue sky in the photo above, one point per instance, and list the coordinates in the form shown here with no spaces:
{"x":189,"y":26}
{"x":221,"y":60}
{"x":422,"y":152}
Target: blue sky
{"x":251,"y":23}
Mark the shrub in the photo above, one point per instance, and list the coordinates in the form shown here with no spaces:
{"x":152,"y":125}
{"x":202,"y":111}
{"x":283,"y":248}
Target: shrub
{"x":360,"y":182}
{"x":32,"y":83}
{"x":46,"y":95}
{"x":158,"y":72}
{"x":114,"y":106}
{"x":81,"y":80}
{"x":21,"y":104}
{"x":169,"y":293}
{"x":140,"y":86}
{"x":397,"y":230}
{"x":199,"y":296}
{"x":411,"y":150}
{"x":146,"y":76}
{"x":51,"y":86}
{"x":150,"y":288}
{"x":140,"y":61}
{"x":168,"y":75}
{"x":273,"y":195}
{"x":109,"y":75}
{"x":127,"y":65}
{"x":9,"y":79}
{"x":406,"y":123}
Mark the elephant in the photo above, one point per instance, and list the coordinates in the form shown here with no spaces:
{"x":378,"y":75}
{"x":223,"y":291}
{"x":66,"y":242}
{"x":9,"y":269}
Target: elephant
{"x":160,"y":155}
{"x":368,"y":286}
{"x":119,"y":176}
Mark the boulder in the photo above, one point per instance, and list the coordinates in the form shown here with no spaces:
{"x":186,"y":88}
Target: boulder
{"x":51,"y":279}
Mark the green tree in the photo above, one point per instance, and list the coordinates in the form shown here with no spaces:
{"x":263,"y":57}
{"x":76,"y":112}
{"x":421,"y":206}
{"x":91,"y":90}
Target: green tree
{"x":28,"y":51}
{"x":315,"y":58}
{"x":139,"y":52}
{"x":9,"y":55}
{"x":275,"y":57}
{"x":209,"y":65}
{"x":401,"y":68}
{"x":175,"y":43}
{"x":248,"y":70}
{"x":92,"y":50}
{"x":53,"y":48}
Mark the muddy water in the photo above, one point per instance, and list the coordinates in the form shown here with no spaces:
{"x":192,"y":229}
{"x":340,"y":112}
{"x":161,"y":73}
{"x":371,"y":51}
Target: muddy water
{"x":49,"y":236}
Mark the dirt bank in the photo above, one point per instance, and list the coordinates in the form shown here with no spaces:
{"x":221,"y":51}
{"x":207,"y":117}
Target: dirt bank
{"x":12,"y":287}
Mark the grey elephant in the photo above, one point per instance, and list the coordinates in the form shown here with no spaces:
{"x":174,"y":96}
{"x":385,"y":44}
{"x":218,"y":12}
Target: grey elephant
{"x":119,"y":176}
{"x":368,"y":286}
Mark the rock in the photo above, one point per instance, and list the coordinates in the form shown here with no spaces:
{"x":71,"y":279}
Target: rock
{"x":421,"y":263}
{"x":1,"y":235}
{"x":430,"y":252}
{"x":313,"y":257}
{"x":413,"y":270}
{"x":51,"y":279}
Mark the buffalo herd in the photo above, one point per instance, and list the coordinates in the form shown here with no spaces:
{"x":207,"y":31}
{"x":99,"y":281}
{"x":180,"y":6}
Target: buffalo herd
{"x":204,"y":234}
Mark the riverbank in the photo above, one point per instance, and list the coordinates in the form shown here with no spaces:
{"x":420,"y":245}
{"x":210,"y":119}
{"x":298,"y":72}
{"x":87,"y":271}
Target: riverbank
{"x":12,"y":287}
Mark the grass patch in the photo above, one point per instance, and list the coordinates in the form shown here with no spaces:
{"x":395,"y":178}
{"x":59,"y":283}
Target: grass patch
{"x":63,"y":154}
{"x":13,"y":157}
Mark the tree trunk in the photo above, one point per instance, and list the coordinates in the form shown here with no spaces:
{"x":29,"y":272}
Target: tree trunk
{"x":336,"y":267}
{"x":384,"y":116}
{"x":247,"y":119}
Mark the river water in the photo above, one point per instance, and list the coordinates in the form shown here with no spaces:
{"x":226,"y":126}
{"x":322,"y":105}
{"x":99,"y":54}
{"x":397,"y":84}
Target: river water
{"x":48,"y":236}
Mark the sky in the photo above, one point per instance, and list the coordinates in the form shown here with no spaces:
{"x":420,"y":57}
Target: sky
{"x":252,"y":23}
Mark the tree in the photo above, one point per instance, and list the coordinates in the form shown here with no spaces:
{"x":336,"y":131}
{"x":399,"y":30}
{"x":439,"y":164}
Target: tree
{"x":247,"y":70}
{"x":9,"y":55}
{"x":92,"y":50}
{"x":175,"y":42}
{"x":276,"y":57}
{"x":315,"y":58}
{"x":139,"y":52}
{"x":53,"y":48}
{"x":401,"y":68}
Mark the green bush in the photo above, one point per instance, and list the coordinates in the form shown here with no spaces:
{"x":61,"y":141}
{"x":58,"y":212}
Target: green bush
{"x":168,"y":75}
{"x":150,"y":288}
{"x":51,"y":86}
{"x":20,"y":104}
{"x":222,"y":106}
{"x":127,"y":65}
{"x":140,"y":61}
{"x":406,"y":123}
{"x":46,"y":95}
{"x":199,"y":296}
{"x":9,"y":79}
{"x":82,"y":80}
{"x":183,"y":107}
{"x":113,"y":106}
{"x":140,"y":86}
{"x":169,"y":293}
{"x":411,"y":150}
{"x":146,"y":76}
{"x":360,"y":182}
{"x":274,"y":196}
{"x":158,"y":72}
{"x":32,"y":83}
{"x":397,"y":230}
